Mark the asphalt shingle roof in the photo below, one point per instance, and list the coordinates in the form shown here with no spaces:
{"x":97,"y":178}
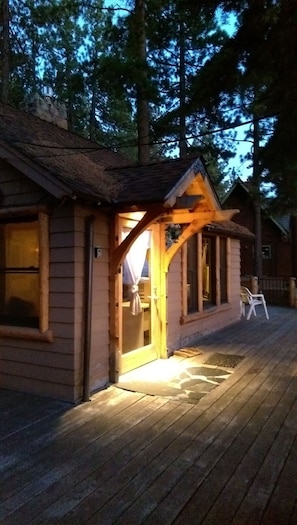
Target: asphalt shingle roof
{"x":74,"y":160}
{"x":86,"y":167}
{"x":229,"y":227}
{"x":151,"y":183}
{"x":91,"y":170}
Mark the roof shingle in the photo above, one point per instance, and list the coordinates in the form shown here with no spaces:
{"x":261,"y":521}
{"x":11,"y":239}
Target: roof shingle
{"x":72,"y":159}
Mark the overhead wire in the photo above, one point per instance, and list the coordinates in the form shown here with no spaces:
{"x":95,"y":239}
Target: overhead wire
{"x":73,"y":150}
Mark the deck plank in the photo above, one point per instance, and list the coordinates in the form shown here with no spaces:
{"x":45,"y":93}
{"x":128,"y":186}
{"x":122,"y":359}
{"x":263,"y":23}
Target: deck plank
{"x":45,"y":449}
{"x":67,"y":457}
{"x":214,"y":451}
{"x":127,"y":458}
{"x":284,"y":496}
{"x":122,"y":467}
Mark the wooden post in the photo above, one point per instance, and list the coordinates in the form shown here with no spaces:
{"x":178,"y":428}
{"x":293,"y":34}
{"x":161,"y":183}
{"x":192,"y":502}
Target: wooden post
{"x":200,"y":284}
{"x":162,"y":277}
{"x":217,"y":269}
{"x":114,"y":305}
{"x":43,"y":272}
{"x":254,"y":284}
{"x":184,"y":280}
{"x":292,"y":291}
{"x":228,"y":247}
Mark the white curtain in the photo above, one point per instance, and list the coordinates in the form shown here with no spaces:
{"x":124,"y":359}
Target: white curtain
{"x":133,"y":266}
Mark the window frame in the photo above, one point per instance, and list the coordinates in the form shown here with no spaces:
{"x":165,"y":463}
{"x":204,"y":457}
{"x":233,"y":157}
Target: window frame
{"x":219,"y":302}
{"x":42,"y":332}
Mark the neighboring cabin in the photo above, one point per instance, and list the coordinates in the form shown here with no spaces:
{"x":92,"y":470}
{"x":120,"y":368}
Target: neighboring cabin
{"x":94,"y":280}
{"x":277,"y":242}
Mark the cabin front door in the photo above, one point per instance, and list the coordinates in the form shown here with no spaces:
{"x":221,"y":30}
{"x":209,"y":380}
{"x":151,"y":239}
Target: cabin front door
{"x":139,"y":304}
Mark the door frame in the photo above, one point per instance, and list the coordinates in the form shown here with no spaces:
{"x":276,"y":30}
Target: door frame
{"x":120,"y":248}
{"x":143,"y":354}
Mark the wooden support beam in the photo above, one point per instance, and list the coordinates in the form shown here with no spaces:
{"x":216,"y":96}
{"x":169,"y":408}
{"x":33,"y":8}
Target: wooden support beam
{"x":185,"y":217}
{"x":187,"y":202}
{"x":194,"y":227}
{"x":121,"y":250}
{"x":189,"y":231}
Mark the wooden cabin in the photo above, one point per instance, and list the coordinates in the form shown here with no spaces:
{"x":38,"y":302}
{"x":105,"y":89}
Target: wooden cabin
{"x":104,"y":266}
{"x":277,"y":257}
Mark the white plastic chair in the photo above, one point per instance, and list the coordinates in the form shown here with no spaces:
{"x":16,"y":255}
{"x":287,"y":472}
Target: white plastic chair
{"x":252,"y":300}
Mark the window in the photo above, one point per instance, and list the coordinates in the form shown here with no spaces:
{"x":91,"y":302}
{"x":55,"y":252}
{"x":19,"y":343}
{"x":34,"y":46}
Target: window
{"x":24,"y":273}
{"x":266,"y":251}
{"x":223,"y":270}
{"x":192,"y":274}
{"x":206,"y":273}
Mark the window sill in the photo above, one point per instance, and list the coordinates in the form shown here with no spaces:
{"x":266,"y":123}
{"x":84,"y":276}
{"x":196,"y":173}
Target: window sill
{"x":196,"y":316}
{"x":30,"y":334}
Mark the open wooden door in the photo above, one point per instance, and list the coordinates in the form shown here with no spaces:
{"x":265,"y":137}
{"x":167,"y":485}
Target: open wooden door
{"x":139,"y":301}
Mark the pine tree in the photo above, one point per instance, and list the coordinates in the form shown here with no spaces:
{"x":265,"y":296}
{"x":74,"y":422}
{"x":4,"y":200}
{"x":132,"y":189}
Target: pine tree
{"x":4,"y":50}
{"x":262,"y":56}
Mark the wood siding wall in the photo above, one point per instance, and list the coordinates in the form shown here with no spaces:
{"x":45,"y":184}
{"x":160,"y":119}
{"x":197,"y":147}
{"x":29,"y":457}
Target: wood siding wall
{"x":56,"y":369}
{"x":99,"y":362}
{"x":174,"y":304}
{"x":180,"y":335}
{"x":17,"y":190}
{"x":37,"y":366}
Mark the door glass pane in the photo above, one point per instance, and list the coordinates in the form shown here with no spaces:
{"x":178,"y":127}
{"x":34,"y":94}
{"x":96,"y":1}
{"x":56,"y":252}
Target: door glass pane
{"x":136,"y":296}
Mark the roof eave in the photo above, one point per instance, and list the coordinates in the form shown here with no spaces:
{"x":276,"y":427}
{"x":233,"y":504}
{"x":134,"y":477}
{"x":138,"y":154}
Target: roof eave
{"x":35,"y":173}
{"x":180,"y":187}
{"x":238,"y":182}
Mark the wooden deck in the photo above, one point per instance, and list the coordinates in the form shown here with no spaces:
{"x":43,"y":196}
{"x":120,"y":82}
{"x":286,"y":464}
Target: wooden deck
{"x":127,"y":458}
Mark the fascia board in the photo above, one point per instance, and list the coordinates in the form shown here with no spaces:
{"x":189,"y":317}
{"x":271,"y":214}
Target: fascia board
{"x":38,"y":175}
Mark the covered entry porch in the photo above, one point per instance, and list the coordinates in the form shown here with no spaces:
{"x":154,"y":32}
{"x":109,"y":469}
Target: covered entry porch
{"x":141,"y":254}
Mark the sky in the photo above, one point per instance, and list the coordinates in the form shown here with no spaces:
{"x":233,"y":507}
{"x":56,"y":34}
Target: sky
{"x":243,"y":167}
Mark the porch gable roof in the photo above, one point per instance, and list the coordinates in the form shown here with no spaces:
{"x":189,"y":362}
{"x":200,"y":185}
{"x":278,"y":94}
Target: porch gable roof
{"x":159,"y":182}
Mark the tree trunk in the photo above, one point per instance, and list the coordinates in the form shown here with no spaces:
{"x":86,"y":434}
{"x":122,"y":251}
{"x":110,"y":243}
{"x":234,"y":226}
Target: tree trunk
{"x":4,"y":50}
{"x":182,"y":92}
{"x":92,"y":121}
{"x":257,"y":203}
{"x":294,"y":245}
{"x":143,"y":121}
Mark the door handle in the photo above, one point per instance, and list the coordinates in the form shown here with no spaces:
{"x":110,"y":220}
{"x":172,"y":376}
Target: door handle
{"x":155,"y":297}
